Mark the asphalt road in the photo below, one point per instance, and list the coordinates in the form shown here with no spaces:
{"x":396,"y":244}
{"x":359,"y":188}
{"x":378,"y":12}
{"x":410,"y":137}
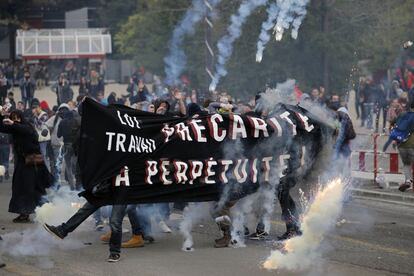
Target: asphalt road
{"x":376,"y":239}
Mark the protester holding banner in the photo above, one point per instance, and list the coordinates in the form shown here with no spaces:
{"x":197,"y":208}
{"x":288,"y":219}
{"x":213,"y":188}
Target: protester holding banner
{"x":140,"y":158}
{"x":30,"y":177}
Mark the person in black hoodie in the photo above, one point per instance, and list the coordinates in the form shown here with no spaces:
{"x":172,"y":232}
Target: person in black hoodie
{"x":30,"y":177}
{"x":68,"y":129}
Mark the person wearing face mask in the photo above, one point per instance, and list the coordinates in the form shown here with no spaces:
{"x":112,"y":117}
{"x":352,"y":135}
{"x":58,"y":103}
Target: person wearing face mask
{"x":30,"y":177}
{"x":334,"y":102}
{"x":27,"y":88}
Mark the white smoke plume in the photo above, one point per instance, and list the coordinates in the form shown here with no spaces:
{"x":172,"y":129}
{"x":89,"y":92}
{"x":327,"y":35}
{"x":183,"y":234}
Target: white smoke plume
{"x":281,"y":16}
{"x":264,"y":37}
{"x":300,"y":10}
{"x":35,"y":241}
{"x":192,"y":214}
{"x":300,"y":253}
{"x":239,"y":214}
{"x":284,"y":18}
{"x":61,"y":205}
{"x":283,"y":93}
{"x":268,"y":194}
{"x":225,"y":44}
{"x":292,"y":13}
{"x":176,"y":60}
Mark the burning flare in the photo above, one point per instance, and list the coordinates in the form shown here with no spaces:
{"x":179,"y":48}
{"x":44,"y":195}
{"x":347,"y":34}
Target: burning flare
{"x":300,"y":252}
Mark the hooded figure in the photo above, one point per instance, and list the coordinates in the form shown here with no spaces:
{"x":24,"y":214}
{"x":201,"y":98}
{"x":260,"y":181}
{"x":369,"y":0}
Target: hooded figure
{"x":30,"y":177}
{"x":346,"y":133}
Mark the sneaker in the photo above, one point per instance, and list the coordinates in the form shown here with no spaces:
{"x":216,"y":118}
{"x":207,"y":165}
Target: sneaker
{"x":22,"y":219}
{"x":289,"y":234}
{"x":99,"y":226}
{"x":164,"y":227}
{"x":113,"y":258}
{"x":403,"y":187}
{"x":149,"y":238}
{"x":246,"y":231}
{"x":258,"y":236}
{"x":55,"y":231}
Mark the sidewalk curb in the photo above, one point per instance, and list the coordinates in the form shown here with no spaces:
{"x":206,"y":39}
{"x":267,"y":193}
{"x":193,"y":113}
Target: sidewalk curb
{"x":403,"y":198}
{"x":377,"y":199}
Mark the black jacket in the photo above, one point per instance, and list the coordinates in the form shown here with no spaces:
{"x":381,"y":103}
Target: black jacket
{"x":29,"y":181}
{"x":68,"y":128}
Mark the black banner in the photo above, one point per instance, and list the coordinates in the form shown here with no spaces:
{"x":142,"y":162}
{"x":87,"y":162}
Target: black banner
{"x":129,"y":156}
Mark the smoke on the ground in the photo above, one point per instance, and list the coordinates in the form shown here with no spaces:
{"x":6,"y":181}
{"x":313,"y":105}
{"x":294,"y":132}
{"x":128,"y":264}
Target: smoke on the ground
{"x":35,"y":241}
{"x":193,"y":214}
{"x":300,"y":253}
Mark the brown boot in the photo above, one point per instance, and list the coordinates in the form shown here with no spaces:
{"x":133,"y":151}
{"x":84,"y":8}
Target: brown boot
{"x":224,"y":241}
{"x":135,"y":241}
{"x":224,"y":224}
{"x":106,"y":237}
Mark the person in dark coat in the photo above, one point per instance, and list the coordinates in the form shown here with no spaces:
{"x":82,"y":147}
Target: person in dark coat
{"x":30,"y":179}
{"x":68,"y":129}
{"x":63,"y":90}
{"x":27,"y":87}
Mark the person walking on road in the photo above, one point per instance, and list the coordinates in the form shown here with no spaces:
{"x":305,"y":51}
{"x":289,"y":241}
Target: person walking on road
{"x":402,"y":134}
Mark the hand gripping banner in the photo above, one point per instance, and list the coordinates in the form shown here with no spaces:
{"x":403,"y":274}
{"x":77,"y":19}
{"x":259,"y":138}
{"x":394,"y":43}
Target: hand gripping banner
{"x":128,"y":156}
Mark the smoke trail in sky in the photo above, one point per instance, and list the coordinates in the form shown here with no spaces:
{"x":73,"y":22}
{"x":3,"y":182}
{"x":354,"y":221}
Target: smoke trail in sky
{"x":264,"y":38}
{"x":282,"y":15}
{"x":225,"y":44}
{"x":285,"y":18}
{"x":300,"y":10}
{"x":176,"y":60}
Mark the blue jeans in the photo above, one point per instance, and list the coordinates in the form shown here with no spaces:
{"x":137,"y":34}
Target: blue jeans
{"x":118,"y":213}
{"x":70,"y":163}
{"x":43,"y":150}
{"x":144,"y":216}
{"x":369,"y":111}
{"x":164,"y":211}
{"x":80,"y":216}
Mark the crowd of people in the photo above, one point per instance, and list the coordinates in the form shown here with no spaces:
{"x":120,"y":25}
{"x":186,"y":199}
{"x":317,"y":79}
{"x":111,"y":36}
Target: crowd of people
{"x":376,"y":100}
{"x":54,"y":140}
{"x":178,"y":103}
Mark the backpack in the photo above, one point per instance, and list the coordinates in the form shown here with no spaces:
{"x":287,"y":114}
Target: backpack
{"x":403,"y":128}
{"x":43,"y":131}
{"x":350,"y":131}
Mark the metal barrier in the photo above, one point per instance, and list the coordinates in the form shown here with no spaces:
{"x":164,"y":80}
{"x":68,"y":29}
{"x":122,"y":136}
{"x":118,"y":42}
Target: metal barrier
{"x":392,"y":159}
